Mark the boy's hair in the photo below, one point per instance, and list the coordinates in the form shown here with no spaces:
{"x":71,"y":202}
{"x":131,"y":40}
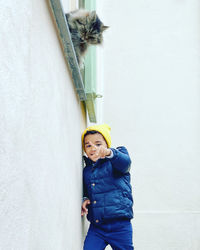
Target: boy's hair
{"x":92,"y":132}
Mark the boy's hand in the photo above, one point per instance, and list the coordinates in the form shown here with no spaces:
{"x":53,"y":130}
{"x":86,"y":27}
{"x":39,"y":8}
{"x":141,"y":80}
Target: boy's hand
{"x":84,"y":209}
{"x":96,"y":152}
{"x":103,"y":152}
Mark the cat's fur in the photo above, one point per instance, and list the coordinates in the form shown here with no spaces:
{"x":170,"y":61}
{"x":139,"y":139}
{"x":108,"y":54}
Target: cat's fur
{"x":86,"y":28}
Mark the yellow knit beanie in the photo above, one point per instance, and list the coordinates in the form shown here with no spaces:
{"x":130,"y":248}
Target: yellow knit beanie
{"x":103,"y":129}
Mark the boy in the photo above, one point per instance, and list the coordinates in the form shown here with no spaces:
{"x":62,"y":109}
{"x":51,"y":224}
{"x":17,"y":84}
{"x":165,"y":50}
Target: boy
{"x":107,"y":191}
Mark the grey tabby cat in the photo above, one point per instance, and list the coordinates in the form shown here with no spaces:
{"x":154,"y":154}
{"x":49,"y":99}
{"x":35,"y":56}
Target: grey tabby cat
{"x":86,"y":28}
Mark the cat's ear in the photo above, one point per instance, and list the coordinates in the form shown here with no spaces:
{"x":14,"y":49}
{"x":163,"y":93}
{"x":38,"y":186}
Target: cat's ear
{"x":104,"y":27}
{"x":93,"y":15}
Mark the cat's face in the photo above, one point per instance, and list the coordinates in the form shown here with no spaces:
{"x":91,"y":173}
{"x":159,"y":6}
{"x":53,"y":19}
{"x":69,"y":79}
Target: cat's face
{"x":91,"y":28}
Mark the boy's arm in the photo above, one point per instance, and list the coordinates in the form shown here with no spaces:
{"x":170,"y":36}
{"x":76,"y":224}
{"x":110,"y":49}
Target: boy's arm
{"x":85,"y":193}
{"x":120,"y":160}
{"x":85,"y":201}
{"x":85,"y":196}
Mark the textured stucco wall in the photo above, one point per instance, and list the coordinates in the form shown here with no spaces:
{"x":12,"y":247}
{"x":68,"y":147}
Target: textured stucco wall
{"x":40,"y":124}
{"x":151,"y":62}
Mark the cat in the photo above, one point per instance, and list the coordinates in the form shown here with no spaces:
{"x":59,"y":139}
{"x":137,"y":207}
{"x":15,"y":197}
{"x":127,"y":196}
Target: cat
{"x":86,"y":28}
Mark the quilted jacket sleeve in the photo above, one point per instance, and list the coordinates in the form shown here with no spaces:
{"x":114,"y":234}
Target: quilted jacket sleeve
{"x":85,"y":193}
{"x":121,"y":160}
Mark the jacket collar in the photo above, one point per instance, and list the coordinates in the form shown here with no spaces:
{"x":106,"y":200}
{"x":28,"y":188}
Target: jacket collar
{"x":89,"y":162}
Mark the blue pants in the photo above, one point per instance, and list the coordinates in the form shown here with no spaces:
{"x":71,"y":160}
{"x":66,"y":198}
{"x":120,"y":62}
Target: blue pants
{"x":117,"y":234}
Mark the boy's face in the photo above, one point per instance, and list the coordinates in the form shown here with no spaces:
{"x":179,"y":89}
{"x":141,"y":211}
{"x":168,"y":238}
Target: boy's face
{"x":92,"y":144}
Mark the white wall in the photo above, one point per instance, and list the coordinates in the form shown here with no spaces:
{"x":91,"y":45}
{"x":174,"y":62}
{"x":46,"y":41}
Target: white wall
{"x":40,"y":128}
{"x":151,"y":100}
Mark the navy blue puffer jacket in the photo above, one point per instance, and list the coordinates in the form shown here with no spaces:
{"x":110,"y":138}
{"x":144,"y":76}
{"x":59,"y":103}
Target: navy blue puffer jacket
{"x":107,"y":185}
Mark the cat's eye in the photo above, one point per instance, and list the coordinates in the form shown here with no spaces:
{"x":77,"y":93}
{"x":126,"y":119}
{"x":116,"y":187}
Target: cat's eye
{"x":81,"y":23}
{"x":92,"y":37}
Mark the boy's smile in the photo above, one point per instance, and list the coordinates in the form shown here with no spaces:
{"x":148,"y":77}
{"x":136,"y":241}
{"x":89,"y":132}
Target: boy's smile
{"x":92,"y":145}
